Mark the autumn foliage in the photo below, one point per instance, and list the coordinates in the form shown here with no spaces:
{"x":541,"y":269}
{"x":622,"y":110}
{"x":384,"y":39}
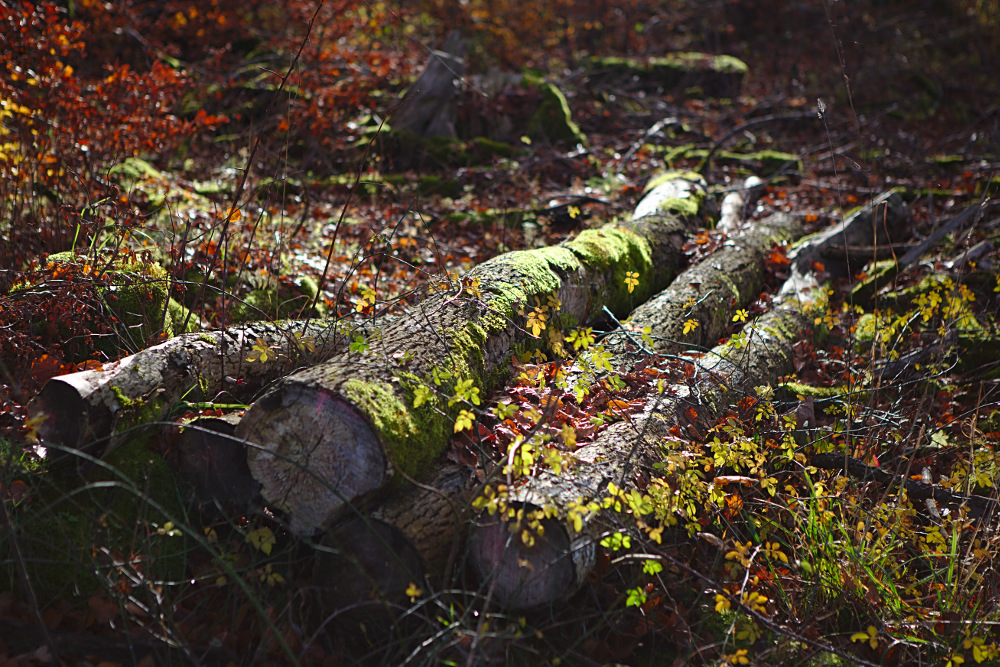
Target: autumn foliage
{"x":224,"y":160}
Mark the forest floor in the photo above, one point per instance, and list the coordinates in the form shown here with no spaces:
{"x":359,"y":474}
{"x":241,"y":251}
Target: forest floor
{"x":208,"y":147}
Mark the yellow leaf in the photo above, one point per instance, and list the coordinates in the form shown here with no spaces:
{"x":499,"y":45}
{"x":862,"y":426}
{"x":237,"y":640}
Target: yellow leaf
{"x":690,"y":326}
{"x":413,"y":591}
{"x":464,"y":420}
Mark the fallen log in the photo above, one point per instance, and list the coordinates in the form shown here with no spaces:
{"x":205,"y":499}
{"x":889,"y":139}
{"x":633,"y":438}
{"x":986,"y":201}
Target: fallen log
{"x":339,"y":431}
{"x":89,"y":410}
{"x":412,"y":539}
{"x":547,"y":568}
{"x":207,"y":456}
{"x":403,"y":524}
{"x":708,"y":293}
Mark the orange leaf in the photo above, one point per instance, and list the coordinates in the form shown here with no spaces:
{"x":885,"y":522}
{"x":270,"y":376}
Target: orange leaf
{"x":617,"y":404}
{"x":723,"y":480}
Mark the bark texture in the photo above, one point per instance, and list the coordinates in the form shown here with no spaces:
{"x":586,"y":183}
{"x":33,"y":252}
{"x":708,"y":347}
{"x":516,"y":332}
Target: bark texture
{"x":550,"y":569}
{"x":710,"y":292}
{"x":90,"y":410}
{"x":338,"y":431}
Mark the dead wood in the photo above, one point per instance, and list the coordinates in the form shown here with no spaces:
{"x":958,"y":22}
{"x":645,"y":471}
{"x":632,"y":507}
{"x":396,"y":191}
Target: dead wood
{"x":708,"y":293}
{"x":205,"y":453}
{"x":527,"y":576}
{"x":977,"y":506}
{"x":333,"y":433}
{"x":428,"y":109}
{"x":86,"y":410}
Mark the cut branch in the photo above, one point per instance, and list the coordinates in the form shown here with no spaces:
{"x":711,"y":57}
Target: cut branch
{"x":85,"y":410}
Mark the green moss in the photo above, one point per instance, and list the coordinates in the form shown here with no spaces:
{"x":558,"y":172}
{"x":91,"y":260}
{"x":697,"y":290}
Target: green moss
{"x":705,"y":74}
{"x":275,"y":301}
{"x":667,"y":176}
{"x":880,"y":274}
{"x":802,"y":389}
{"x":73,"y":522}
{"x":553,"y":119}
{"x":146,"y":496}
{"x":136,"y":168}
{"x":136,"y":296}
{"x":687,"y":206}
{"x":866,"y":328}
{"x":493,"y":148}
{"x":412,"y":438}
{"x":432,"y":184}
{"x":688,"y":60}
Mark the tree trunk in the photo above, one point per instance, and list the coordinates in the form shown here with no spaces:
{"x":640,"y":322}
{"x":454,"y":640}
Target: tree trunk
{"x":336,"y":432}
{"x":205,"y":453}
{"x":418,"y":532}
{"x":92,"y":409}
{"x":416,"y":537}
{"x":708,"y":293}
{"x":429,"y":107}
{"x":550,"y":569}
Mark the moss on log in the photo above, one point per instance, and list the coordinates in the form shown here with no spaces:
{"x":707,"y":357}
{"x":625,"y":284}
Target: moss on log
{"x":551,"y":566}
{"x":710,"y":292}
{"x":338,"y":431}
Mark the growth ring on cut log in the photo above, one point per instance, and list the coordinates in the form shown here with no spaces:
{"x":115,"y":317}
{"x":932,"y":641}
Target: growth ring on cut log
{"x":557,"y":564}
{"x":329,"y":453}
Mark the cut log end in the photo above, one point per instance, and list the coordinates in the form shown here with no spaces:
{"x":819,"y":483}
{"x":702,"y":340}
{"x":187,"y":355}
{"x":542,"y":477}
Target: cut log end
{"x":62,"y":415}
{"x":213,"y":461}
{"x":365,"y":562}
{"x":523,"y":577}
{"x":310,"y":451}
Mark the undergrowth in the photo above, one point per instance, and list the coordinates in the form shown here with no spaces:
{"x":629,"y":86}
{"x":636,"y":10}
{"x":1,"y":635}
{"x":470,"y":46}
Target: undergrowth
{"x":178,"y":166}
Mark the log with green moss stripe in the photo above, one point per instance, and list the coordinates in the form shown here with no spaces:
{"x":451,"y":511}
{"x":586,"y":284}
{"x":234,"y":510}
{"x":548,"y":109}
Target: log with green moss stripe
{"x":340,"y":431}
{"x":548,"y":570}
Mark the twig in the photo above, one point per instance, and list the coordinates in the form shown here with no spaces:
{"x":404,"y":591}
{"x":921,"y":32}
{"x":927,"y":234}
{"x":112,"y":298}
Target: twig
{"x":978,"y":505}
{"x":763,"y":120}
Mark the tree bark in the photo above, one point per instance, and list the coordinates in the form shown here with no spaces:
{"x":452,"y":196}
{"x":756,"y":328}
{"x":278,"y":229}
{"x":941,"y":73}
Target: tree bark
{"x":708,"y":293}
{"x":525,"y":577}
{"x":339,"y":431}
{"x":92,"y":409}
{"x":427,"y":522}
{"x":429,"y":107}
